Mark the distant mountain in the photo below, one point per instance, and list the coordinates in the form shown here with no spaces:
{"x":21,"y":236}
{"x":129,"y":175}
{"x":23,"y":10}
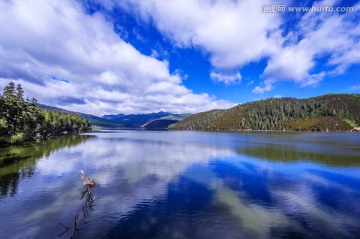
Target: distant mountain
{"x":159,"y":124}
{"x":140,"y":120}
{"x":333,"y":112}
{"x":127,"y":121}
{"x":94,"y":120}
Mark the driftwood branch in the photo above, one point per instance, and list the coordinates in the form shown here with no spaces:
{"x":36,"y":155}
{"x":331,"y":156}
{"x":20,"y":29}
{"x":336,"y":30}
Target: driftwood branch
{"x":88,"y":194}
{"x":88,"y":181}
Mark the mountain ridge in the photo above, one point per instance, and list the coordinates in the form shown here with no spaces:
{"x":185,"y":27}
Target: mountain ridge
{"x":94,"y":120}
{"x":140,"y":120}
{"x":331,"y":112}
{"x":122,"y":121}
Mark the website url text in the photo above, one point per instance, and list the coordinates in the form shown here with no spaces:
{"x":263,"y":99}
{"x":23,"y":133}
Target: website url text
{"x":278,"y":8}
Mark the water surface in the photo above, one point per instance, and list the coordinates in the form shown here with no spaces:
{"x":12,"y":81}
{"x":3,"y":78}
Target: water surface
{"x":184,"y":185}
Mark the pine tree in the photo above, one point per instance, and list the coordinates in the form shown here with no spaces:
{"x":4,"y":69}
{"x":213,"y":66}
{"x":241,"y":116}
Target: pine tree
{"x":9,"y":91}
{"x":19,"y":92}
{"x":20,"y":119}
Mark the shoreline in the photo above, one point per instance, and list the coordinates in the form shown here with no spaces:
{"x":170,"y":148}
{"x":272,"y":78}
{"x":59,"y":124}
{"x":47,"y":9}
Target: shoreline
{"x":267,"y":131}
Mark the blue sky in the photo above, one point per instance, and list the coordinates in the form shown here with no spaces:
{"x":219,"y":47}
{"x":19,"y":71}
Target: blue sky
{"x":103,"y":57}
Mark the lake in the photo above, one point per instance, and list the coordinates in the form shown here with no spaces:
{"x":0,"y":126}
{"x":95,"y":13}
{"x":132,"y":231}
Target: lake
{"x":172,"y":184}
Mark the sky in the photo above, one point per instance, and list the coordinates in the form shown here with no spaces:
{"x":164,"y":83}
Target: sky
{"x":179,"y":56}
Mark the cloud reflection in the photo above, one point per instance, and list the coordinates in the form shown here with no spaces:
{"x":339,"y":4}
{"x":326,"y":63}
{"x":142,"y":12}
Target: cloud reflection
{"x":177,"y":186}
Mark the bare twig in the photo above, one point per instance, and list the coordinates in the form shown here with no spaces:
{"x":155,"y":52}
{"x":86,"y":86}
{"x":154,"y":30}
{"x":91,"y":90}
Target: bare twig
{"x":89,"y":186}
{"x":66,"y":229}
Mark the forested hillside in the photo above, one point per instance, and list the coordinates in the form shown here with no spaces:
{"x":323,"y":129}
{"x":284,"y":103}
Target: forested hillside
{"x":159,"y":124}
{"x":94,"y":120}
{"x":333,"y":112}
{"x":22,"y":119}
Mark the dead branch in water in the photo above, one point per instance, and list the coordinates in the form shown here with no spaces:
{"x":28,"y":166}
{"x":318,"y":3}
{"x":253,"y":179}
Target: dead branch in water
{"x":88,"y":181}
{"x":88,"y":191}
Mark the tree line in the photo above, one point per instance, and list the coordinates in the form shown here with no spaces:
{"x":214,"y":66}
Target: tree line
{"x":22,"y":119}
{"x":340,"y":112}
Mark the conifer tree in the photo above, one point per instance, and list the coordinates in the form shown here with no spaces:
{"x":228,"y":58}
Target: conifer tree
{"x":23,"y":119}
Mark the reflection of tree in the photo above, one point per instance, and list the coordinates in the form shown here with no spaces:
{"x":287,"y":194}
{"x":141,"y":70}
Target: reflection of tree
{"x":287,"y":155}
{"x":20,"y":161}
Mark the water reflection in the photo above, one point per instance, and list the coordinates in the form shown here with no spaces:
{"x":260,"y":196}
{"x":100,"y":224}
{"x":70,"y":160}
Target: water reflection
{"x":196,"y":185}
{"x":285,"y":154}
{"x":19,"y":161}
{"x":287,"y":201}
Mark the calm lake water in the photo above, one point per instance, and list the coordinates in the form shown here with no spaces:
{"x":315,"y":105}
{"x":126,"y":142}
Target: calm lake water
{"x":184,"y":185}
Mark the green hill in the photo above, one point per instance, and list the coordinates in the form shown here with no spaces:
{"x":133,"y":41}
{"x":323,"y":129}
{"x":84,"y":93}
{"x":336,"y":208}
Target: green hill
{"x":159,"y":124}
{"x":94,"y":120}
{"x":333,"y":112}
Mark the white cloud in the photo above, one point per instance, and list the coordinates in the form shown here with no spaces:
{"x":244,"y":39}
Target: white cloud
{"x":235,"y":33}
{"x":67,"y":58}
{"x":226,"y":78}
{"x":267,"y":86}
{"x":289,"y":63}
{"x":356,"y":87}
{"x":250,"y":83}
{"x":313,"y":79}
{"x":321,"y":34}
{"x":155,"y":54}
